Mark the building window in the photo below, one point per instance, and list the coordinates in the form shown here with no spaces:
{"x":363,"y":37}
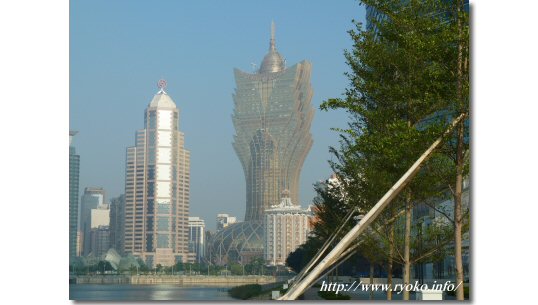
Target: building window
{"x":152,"y":120}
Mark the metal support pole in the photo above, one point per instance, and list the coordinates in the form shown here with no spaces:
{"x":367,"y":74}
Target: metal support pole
{"x":325,"y":246}
{"x":352,"y":235}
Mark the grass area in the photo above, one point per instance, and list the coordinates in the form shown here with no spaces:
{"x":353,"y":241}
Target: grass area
{"x":331,"y":295}
{"x":244,"y":292}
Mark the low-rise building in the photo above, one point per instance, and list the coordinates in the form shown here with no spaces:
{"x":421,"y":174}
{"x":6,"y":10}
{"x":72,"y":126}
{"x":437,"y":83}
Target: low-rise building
{"x":286,"y":227}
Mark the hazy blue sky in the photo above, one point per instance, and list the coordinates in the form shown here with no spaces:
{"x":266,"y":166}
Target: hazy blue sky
{"x":120,"y":49}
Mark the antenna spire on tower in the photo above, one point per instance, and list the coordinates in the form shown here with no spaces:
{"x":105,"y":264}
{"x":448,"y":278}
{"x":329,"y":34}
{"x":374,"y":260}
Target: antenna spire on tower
{"x":162,"y":85}
{"x":272,"y":43}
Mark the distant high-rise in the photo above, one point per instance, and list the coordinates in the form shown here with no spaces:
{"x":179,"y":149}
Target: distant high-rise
{"x":100,"y":216}
{"x":196,"y":239}
{"x":74,"y":166}
{"x":117,"y":223}
{"x":91,"y":199}
{"x":272,"y":119}
{"x":100,"y":240}
{"x":157,"y":183}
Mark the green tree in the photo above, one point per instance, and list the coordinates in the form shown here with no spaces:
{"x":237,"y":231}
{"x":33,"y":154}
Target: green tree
{"x":236,"y":269}
{"x":255,"y":266}
{"x":179,"y":266}
{"x":299,"y":258}
{"x":402,"y":94}
{"x":103,"y":266}
{"x":461,"y":26}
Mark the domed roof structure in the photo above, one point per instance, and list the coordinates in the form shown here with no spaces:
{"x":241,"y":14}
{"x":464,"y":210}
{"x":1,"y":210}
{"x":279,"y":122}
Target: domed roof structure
{"x":273,"y":61}
{"x":239,"y":242}
{"x":162,"y":100}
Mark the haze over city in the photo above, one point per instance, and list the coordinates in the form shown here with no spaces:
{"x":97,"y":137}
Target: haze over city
{"x":118,"y":55}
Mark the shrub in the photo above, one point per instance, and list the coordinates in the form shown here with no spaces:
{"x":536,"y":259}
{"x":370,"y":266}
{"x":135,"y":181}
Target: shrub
{"x":244,"y":292}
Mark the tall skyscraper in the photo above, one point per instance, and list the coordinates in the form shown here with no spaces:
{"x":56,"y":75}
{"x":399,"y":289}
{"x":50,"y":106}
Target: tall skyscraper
{"x":74,"y":166}
{"x":117,"y":223}
{"x":157,"y":183}
{"x":91,"y":199}
{"x":272,"y":119}
{"x":196,"y":239}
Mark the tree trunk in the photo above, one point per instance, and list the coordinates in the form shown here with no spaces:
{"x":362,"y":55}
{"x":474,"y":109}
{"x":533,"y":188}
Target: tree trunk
{"x":389,"y":267}
{"x":458,"y":221}
{"x":371,"y":280}
{"x":407,"y":246}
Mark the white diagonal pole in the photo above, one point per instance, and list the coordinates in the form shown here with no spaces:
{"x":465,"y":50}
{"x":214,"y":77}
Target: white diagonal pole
{"x":357,"y":230}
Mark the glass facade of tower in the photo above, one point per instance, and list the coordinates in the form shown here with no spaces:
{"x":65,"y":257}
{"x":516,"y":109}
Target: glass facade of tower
{"x":117,"y":220}
{"x":74,"y":167}
{"x":157,"y":187}
{"x":272,"y":119}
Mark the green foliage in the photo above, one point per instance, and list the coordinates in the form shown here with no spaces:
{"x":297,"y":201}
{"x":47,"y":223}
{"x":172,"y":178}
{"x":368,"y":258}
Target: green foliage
{"x":100,"y":267}
{"x":143,"y":267}
{"x":236,"y":269}
{"x":295,"y":259}
{"x":330,"y":206}
{"x":407,"y":82}
{"x":245,"y":291}
{"x":255,"y":266}
{"x":298,"y":259}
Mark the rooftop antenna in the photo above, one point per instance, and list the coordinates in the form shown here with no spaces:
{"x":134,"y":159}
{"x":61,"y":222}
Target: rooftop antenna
{"x":272,"y":42}
{"x":161,"y":84}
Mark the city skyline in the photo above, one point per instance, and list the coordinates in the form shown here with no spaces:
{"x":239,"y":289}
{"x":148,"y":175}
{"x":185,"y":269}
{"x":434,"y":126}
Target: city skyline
{"x":177,"y":47}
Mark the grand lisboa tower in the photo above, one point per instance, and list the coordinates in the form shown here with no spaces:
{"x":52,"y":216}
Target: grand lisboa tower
{"x":272,"y":118}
